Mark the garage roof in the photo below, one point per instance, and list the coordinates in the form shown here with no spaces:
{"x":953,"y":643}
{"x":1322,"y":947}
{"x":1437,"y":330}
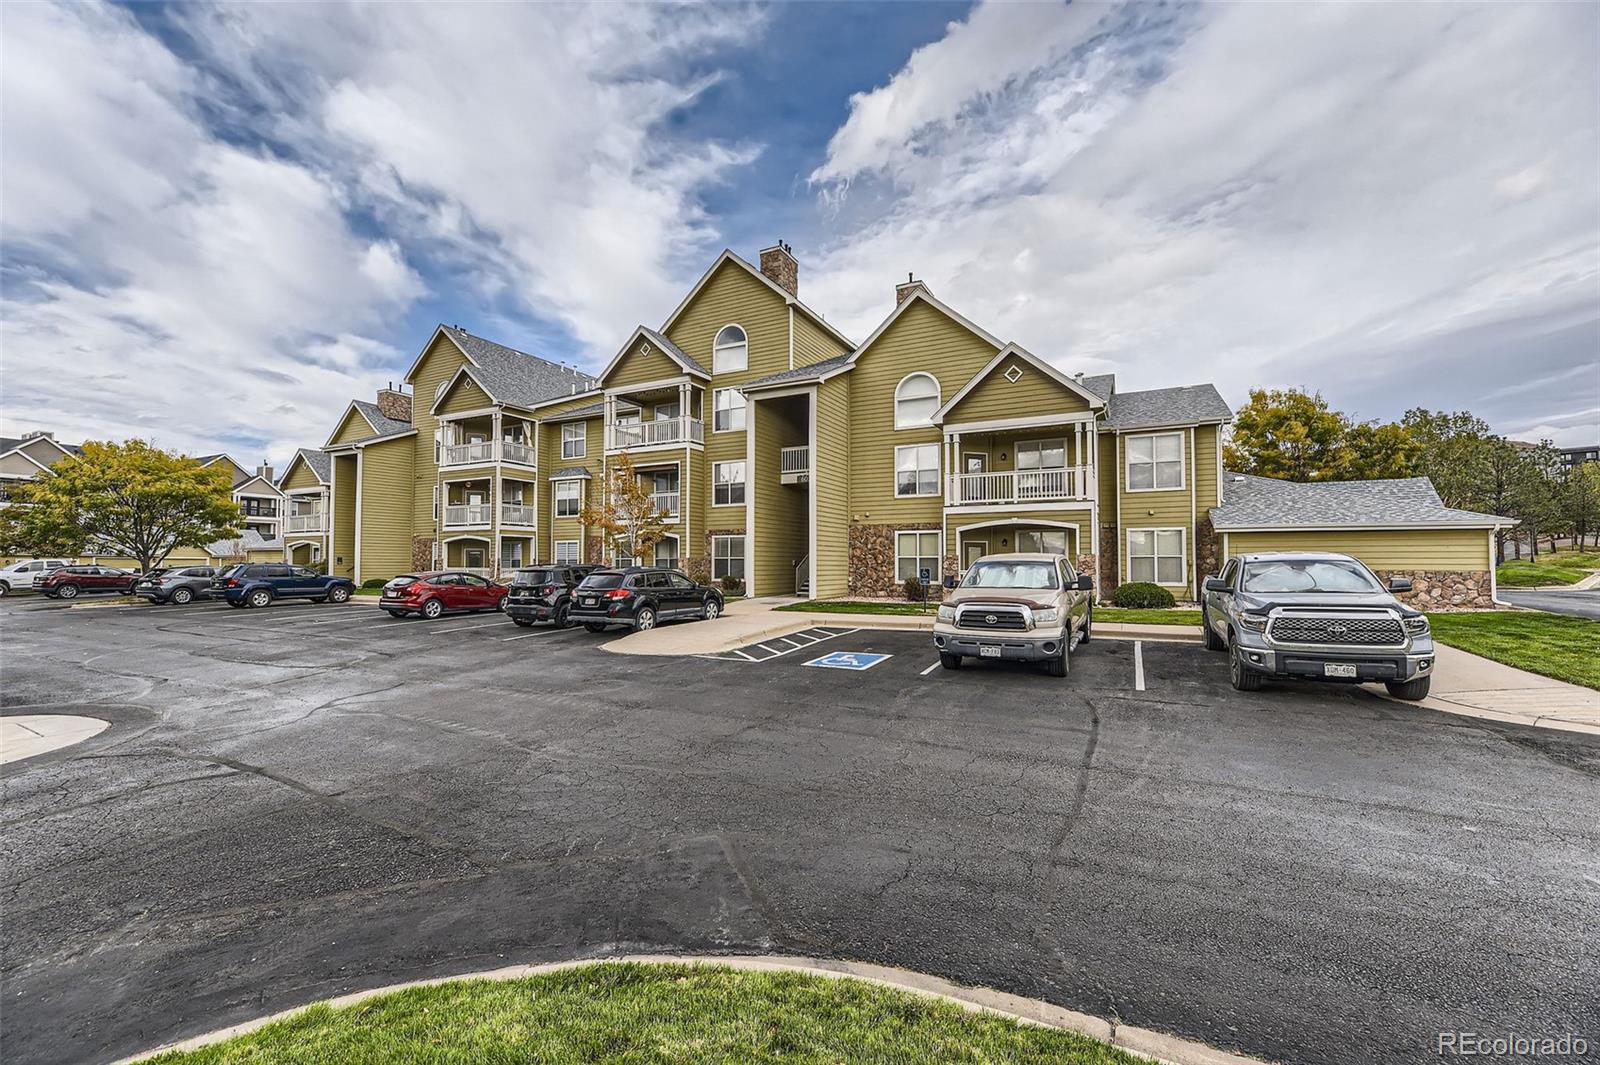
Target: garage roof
{"x":1251,"y":502}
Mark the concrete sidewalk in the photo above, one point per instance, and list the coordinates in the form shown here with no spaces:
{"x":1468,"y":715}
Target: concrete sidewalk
{"x":25,"y":735}
{"x":1477,"y":687}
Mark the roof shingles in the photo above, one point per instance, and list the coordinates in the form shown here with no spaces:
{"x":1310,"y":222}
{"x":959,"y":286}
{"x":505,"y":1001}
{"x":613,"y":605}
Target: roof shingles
{"x":1250,"y":502}
{"x":514,"y":377}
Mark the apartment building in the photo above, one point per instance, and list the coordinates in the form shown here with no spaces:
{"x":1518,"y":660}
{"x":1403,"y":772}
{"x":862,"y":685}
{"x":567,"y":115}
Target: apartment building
{"x":801,"y":462}
{"x":27,"y":458}
{"x":305,"y":486}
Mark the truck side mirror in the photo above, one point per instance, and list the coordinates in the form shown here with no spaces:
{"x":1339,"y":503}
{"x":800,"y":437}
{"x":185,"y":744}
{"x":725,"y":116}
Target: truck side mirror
{"x":1399,"y":584}
{"x":949,"y":582}
{"x":1085,"y":583}
{"x":1217,"y":584}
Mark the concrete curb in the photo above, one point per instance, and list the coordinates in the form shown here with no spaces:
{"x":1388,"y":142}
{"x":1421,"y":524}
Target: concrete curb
{"x":1156,"y":1045}
{"x":26,"y":735}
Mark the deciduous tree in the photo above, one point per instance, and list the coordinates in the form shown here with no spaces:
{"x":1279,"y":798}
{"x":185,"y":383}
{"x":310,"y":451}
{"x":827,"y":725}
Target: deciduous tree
{"x":1295,"y":435}
{"x":626,"y":514}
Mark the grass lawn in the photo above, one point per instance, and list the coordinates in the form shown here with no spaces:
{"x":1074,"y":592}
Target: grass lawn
{"x":1561,"y":568}
{"x":1124,"y":616}
{"x":1553,"y":645}
{"x":861,"y":607}
{"x":369,"y":591}
{"x":654,"y":1013}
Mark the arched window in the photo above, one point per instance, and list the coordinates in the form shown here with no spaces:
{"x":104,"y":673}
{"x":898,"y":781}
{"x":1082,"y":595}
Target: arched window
{"x":730,"y":352}
{"x":916,"y":397}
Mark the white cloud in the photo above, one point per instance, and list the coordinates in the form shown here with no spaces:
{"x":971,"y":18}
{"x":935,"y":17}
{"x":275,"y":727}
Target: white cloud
{"x":1273,"y":194}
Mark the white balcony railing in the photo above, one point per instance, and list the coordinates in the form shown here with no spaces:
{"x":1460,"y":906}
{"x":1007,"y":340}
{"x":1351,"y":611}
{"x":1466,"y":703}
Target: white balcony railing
{"x":1021,"y":486}
{"x":308,"y":523}
{"x":665,"y":501}
{"x":468,"y":515}
{"x":794,"y":464}
{"x":661,"y":431}
{"x":521,"y":454}
{"x":484,"y":451}
{"x":518,"y":514}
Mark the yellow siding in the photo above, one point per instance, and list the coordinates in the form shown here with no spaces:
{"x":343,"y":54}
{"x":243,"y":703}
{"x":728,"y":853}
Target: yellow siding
{"x":830,"y":480}
{"x":1205,"y":464}
{"x":921,"y":339}
{"x":18,"y":466}
{"x":1031,"y":394}
{"x":550,"y":460}
{"x":639,"y":366}
{"x":733,"y":297}
{"x":1435,"y":549}
{"x":1163,"y":509}
{"x":783,"y":512}
{"x":386,"y":483}
{"x":465,"y":396}
{"x":811,"y":342}
{"x":302,"y":477}
{"x":437,"y":366}
{"x":354,"y":427}
{"x":342,"y":552}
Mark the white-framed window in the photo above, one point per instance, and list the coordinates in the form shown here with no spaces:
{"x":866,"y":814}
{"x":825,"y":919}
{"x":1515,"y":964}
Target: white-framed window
{"x":566,"y":552}
{"x":1049,"y":541}
{"x":667,"y":552}
{"x":915,"y":552}
{"x":574,"y":440}
{"x":727,"y":557}
{"x":730,"y":352}
{"x":1156,"y":556}
{"x":568,"y":495}
{"x":727,"y":479}
{"x":727,"y":413}
{"x":916,"y":397}
{"x":316,"y":552}
{"x":1155,"y":462}
{"x":916,"y":470}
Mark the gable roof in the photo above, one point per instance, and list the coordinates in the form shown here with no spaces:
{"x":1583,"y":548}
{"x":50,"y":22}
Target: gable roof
{"x":668,"y":348}
{"x":588,"y":410}
{"x":817,"y":371}
{"x":1251,"y":502}
{"x":319,"y":462}
{"x":1017,"y":351}
{"x":248,"y":539}
{"x":572,"y":473}
{"x":1185,"y":405}
{"x":922,"y":295}
{"x":9,"y":444}
{"x":381,"y":423}
{"x":728,"y":256}
{"x":515,"y":377}
{"x":254,"y":479}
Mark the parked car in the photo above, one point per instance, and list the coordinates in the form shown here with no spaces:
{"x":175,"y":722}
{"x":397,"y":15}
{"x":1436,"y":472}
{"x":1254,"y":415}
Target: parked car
{"x":24,"y":574}
{"x":69,"y":582}
{"x":259,"y":583}
{"x":431,"y":594}
{"x":1315,"y":616}
{"x":544,"y":593}
{"x":178,"y":585}
{"x":1022,"y":607}
{"x":641,"y":597}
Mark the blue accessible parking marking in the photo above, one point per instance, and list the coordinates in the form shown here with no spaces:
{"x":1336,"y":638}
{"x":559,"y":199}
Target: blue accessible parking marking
{"x":847,"y":660}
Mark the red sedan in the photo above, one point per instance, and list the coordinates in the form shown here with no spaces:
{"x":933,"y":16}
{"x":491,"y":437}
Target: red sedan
{"x":431,"y":594}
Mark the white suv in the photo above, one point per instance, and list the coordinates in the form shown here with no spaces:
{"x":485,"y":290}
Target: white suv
{"x":23,"y":574}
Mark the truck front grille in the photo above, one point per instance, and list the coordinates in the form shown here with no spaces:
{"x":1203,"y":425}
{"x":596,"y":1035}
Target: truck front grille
{"x":991,"y":618}
{"x":1352,"y":632}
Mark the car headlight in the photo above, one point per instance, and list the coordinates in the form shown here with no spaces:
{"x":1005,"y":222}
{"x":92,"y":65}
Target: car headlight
{"x":947,"y":613}
{"x":1253,"y":622}
{"x":1046,"y":617}
{"x":1417,"y":626}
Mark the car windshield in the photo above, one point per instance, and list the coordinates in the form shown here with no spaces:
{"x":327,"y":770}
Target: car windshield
{"x":602,"y":580}
{"x":1307,"y":575}
{"x":535,"y":576}
{"x":1011,"y":575}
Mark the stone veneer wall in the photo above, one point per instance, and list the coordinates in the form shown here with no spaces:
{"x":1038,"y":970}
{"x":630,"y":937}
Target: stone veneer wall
{"x":422,"y":552}
{"x":872,"y":566}
{"x":1109,"y":559}
{"x":1207,"y":550}
{"x":1443,"y":589}
{"x":594,"y":550}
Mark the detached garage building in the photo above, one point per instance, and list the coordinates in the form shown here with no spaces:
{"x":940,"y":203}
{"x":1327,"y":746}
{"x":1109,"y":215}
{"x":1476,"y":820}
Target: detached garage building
{"x":1399,"y":528}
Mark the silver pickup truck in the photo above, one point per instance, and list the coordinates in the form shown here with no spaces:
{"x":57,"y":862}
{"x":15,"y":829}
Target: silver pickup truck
{"x":1021,"y":607}
{"x":1315,"y":616}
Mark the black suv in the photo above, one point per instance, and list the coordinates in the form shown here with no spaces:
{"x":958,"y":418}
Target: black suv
{"x":544,"y":593}
{"x":640,"y":596}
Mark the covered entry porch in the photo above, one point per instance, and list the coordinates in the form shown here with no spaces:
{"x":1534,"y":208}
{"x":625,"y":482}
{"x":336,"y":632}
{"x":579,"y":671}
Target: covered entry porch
{"x":1055,"y":533}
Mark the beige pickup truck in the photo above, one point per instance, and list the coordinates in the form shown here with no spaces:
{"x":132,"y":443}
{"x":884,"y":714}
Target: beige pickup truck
{"x":1018,"y":607}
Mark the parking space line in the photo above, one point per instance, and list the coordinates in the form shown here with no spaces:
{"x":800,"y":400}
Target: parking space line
{"x":930,"y":669}
{"x":1138,"y":665}
{"x":477,"y":623}
{"x":769,"y":650}
{"x":538,"y":632}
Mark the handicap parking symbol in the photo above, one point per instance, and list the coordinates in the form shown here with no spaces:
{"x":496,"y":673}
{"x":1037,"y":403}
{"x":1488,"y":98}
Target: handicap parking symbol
{"x":847,"y":660}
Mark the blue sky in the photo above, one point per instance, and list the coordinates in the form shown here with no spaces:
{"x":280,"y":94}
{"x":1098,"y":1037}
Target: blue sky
{"x":221,"y":223}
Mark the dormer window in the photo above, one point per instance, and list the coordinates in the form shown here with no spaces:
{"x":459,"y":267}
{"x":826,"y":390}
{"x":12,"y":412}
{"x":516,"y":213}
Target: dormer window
{"x":916,"y":397}
{"x":730,"y":352}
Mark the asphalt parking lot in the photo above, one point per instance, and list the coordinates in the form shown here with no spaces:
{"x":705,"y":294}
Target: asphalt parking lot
{"x":304,"y":800}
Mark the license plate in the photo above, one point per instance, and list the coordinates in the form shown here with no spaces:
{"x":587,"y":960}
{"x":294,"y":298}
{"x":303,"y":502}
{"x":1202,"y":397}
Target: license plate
{"x":588,"y":601}
{"x":988,"y":650}
{"x":391,"y":595}
{"x":1337,"y":669}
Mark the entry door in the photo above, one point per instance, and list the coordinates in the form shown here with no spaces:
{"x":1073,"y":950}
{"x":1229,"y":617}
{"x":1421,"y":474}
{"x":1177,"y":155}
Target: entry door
{"x":472,"y":558}
{"x":972,"y":550}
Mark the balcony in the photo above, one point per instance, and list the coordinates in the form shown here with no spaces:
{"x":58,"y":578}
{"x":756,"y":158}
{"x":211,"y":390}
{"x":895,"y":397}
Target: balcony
{"x":468,"y":516}
{"x":484,"y":452}
{"x":315,"y":522}
{"x":1068,"y":484}
{"x":794,"y":465}
{"x":667,"y":502}
{"x":622,"y":435}
{"x":518,"y":514}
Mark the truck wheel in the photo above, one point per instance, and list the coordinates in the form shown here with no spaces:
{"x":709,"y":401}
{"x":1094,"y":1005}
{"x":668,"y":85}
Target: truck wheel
{"x":259,"y":598}
{"x":1057,"y":666}
{"x":1213,"y":641}
{"x":1409,"y":690}
{"x":949,"y":661}
{"x":338,"y":594}
{"x":181,"y":596}
{"x":1088,"y":625}
{"x":1242,"y":678}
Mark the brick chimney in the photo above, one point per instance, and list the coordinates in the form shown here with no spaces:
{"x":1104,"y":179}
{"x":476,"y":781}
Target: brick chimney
{"x":264,"y":471}
{"x":902,"y":292}
{"x":781,"y":267}
{"x":393,"y":403}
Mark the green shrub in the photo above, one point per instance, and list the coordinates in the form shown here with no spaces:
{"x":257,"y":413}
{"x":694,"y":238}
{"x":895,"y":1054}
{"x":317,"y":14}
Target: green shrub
{"x":732,"y":585}
{"x":376,"y":582}
{"x":1141,"y":595}
{"x":913,"y":589}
